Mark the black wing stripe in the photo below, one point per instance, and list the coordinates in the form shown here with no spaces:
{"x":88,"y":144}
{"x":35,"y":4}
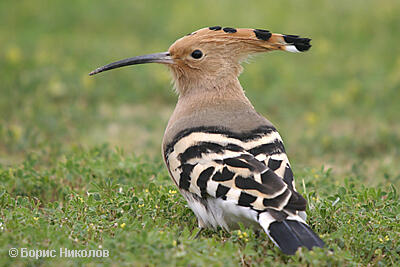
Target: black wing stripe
{"x":274,"y":164}
{"x":288,"y":177}
{"x":237,"y":163}
{"x":272,"y":181}
{"x":246,"y":199}
{"x":184,"y":181}
{"x":233,"y":147}
{"x":196,"y":151}
{"x":226,"y":175}
{"x":296,"y":202}
{"x":257,"y":165}
{"x":270,"y":148}
{"x":187,"y":168}
{"x":250,"y":184}
{"x":203,"y":179}
{"x":276,"y":202}
{"x":221,"y":191}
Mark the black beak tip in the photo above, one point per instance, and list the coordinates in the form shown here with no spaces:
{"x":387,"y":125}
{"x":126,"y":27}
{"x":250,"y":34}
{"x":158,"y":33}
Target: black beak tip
{"x":151,"y":58}
{"x":94,"y":72}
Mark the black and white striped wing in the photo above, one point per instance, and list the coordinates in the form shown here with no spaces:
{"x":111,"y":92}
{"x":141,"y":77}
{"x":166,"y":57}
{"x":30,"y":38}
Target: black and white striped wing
{"x":248,"y":169}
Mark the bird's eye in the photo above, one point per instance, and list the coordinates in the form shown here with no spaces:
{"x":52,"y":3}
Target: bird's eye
{"x":197,"y":54}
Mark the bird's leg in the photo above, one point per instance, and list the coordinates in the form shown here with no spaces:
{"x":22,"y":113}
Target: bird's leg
{"x":202,"y":226}
{"x":257,"y":233}
{"x":198,"y":233}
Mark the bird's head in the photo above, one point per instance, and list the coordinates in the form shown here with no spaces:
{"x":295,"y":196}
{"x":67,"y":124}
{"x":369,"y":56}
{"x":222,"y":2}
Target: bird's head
{"x":210,"y":56}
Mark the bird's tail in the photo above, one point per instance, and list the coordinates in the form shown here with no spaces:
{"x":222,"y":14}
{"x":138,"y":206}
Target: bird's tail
{"x":289,"y":234}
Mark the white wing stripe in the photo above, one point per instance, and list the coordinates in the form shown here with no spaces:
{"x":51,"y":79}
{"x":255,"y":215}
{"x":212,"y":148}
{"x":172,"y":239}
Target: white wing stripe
{"x":197,"y":137}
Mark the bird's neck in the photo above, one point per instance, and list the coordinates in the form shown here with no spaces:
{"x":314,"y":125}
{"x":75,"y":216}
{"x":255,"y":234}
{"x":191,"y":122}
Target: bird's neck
{"x":220,"y":95}
{"x":226,"y":107}
{"x":211,"y":91}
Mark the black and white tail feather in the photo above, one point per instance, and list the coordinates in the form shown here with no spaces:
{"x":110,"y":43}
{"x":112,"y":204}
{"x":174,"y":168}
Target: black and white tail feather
{"x":229,"y":177}
{"x":289,"y":235}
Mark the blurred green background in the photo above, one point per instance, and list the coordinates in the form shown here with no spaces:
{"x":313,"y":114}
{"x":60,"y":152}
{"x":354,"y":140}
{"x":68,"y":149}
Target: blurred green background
{"x":337,"y":105}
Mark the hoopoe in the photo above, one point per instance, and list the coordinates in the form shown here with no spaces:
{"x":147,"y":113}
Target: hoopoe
{"x":227,"y":160}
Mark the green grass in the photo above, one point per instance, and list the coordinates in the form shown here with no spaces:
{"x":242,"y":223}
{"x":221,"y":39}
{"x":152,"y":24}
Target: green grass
{"x":102,"y":198}
{"x":337,"y":108}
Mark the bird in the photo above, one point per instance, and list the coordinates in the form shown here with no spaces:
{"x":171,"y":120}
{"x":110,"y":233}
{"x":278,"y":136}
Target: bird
{"x":227,"y":160}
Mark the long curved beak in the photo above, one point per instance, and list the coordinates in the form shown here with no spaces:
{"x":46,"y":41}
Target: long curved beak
{"x":163,"y":57}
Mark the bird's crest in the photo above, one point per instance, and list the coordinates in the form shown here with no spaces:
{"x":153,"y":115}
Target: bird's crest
{"x":257,"y":40}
